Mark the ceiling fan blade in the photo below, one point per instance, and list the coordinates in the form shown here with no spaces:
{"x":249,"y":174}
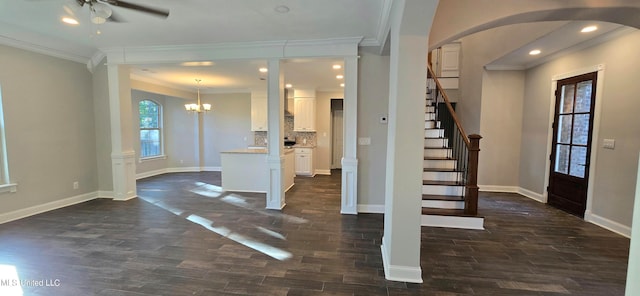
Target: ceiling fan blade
{"x":164,"y":13}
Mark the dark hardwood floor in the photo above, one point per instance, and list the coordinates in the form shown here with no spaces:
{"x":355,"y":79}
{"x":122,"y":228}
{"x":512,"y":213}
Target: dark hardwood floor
{"x":185,"y":237}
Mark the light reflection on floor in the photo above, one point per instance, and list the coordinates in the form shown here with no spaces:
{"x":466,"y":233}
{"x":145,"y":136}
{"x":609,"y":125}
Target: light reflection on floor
{"x":213,"y":191}
{"x":9,"y":281}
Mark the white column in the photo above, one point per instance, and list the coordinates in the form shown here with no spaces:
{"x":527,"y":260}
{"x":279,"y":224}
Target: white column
{"x":349,"y":203}
{"x":275,"y":115}
{"x":122,"y":151}
{"x":410,"y":23}
{"x":633,"y":271}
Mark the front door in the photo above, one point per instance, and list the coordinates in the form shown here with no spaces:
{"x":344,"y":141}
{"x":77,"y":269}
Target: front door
{"x":572,"y":126}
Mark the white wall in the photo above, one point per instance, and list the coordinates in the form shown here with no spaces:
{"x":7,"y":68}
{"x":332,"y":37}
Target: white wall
{"x":615,"y":170}
{"x":480,"y":49}
{"x":227,"y":127}
{"x":373,"y":101}
{"x":501,"y":128}
{"x":50,"y":130}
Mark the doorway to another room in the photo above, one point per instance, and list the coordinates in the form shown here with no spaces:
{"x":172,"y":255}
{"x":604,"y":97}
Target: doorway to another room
{"x":337,"y":133}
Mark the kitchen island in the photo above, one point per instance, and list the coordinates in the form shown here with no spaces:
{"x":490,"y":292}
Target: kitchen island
{"x":247,"y":170}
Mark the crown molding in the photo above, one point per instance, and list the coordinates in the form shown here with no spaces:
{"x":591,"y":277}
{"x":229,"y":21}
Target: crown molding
{"x":95,"y":60}
{"x":240,"y":50}
{"x":42,"y":49}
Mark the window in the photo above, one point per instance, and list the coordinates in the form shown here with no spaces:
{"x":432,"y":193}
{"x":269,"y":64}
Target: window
{"x":150,"y":132}
{"x":5,"y":181}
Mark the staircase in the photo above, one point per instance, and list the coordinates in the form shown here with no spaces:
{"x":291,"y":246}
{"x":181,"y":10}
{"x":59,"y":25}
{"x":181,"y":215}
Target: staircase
{"x":449,"y":189}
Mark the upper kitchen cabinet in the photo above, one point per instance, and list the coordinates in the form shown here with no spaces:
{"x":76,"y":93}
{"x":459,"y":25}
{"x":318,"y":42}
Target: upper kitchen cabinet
{"x":304,"y":119}
{"x":259,"y":118}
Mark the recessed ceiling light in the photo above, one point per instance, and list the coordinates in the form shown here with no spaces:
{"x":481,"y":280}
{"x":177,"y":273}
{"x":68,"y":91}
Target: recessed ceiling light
{"x":337,"y":66}
{"x":288,"y":85}
{"x":339,"y":76}
{"x":341,"y":84}
{"x":535,"y":52}
{"x":281,"y":9}
{"x":589,"y":29}
{"x":263,"y":70}
{"x":70,"y":21}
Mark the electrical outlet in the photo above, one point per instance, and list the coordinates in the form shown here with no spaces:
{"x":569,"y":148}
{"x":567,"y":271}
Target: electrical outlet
{"x":609,"y":143}
{"x":76,"y":185}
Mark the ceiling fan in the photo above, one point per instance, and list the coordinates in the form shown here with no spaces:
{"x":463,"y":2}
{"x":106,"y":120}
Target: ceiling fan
{"x":101,"y":9}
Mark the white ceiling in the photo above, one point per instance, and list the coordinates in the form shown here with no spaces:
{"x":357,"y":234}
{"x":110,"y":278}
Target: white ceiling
{"x":557,"y":42}
{"x":191,"y":22}
{"x":36,"y":24}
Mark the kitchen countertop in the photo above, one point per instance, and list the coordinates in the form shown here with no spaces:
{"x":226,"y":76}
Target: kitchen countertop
{"x":247,"y":151}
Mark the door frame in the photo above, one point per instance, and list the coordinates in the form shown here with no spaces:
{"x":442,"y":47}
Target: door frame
{"x":595,"y":137}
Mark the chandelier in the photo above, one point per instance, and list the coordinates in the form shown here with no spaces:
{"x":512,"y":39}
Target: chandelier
{"x":198,"y":108}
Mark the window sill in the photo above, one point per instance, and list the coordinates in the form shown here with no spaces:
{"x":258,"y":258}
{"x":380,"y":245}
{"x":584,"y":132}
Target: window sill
{"x":151,"y":158}
{"x":9,"y":188}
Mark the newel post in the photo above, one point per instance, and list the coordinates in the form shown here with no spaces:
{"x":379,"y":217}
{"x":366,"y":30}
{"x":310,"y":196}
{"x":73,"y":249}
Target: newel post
{"x":471,"y":198}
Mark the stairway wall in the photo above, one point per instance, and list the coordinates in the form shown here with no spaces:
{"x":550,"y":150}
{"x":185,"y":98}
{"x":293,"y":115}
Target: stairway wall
{"x":501,"y":128}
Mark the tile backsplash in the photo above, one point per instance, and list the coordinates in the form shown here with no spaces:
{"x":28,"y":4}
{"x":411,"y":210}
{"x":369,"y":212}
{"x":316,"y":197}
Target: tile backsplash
{"x":260,"y":138}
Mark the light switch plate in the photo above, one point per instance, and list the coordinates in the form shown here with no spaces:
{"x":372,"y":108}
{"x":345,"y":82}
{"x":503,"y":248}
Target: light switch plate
{"x":364,"y":141}
{"x":609,"y":143}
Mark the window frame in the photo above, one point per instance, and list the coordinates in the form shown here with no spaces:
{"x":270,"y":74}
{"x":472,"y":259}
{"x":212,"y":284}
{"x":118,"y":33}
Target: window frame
{"x":5,"y":179}
{"x":158,"y":128}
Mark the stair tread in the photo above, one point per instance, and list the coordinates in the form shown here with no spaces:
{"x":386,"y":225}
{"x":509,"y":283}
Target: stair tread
{"x":446,"y":212}
{"x":442,"y":197}
{"x":437,"y":158}
{"x":439,"y":138}
{"x":441,"y":170}
{"x":432,"y":147}
{"x":445,"y":183}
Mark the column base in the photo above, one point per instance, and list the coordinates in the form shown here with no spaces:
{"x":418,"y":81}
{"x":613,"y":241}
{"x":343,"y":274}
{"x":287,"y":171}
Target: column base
{"x":349,"y":204}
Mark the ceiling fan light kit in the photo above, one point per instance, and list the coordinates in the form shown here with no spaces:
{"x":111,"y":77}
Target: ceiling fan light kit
{"x":102,"y":12}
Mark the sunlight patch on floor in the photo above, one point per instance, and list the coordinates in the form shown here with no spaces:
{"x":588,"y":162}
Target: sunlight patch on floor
{"x":214,"y":191}
{"x":225,"y":232}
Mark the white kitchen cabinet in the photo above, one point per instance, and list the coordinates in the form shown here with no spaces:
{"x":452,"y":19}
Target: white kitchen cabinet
{"x":259,"y":118}
{"x":304,"y":162}
{"x":304,"y":119}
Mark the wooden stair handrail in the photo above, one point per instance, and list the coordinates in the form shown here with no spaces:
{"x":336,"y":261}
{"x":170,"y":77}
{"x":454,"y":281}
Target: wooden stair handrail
{"x":448,"y":104}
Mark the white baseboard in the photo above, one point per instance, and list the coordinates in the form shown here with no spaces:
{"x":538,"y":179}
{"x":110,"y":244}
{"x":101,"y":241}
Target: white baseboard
{"x":323,"y":172}
{"x":176,"y":170}
{"x":608,"y":224}
{"x":105,"y":194}
{"x":150,"y":174}
{"x":211,"y":169}
{"x":498,"y":188}
{"x":532,"y":195}
{"x":373,"y":209}
{"x":50,"y":206}
{"x":400,"y":273}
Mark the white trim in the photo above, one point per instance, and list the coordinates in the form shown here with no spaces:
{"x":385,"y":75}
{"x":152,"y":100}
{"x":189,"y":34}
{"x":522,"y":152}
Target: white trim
{"x":105,"y":194}
{"x":607,"y":224}
{"x":151,"y":173}
{"x":323,"y":172}
{"x":498,"y":188}
{"x":13,"y":188}
{"x":234,"y":50}
{"x":532,"y":195}
{"x":176,"y":170}
{"x":50,"y":206}
{"x":400,"y":273}
{"x":372,"y":209}
{"x":95,"y":60}
{"x":42,"y":49}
